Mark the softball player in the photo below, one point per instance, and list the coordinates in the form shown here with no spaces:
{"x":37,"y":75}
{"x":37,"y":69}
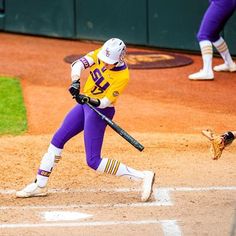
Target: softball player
{"x":213,"y":22}
{"x":108,"y":77}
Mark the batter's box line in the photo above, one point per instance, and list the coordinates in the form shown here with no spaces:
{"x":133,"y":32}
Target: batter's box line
{"x":169,"y":227}
{"x":125,"y":190}
{"x":161,"y":197}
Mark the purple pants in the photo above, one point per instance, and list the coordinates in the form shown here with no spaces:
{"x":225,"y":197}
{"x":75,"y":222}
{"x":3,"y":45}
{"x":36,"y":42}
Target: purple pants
{"x":215,"y":18}
{"x":82,"y":118}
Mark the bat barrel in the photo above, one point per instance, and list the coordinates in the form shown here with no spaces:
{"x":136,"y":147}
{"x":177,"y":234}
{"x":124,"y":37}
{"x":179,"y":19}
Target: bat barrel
{"x":119,"y":130}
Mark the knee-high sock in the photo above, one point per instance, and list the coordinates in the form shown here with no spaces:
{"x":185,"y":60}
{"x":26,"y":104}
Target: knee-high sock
{"x":114,"y":167}
{"x":222,"y":48}
{"x":48,"y":161}
{"x":207,"y":54}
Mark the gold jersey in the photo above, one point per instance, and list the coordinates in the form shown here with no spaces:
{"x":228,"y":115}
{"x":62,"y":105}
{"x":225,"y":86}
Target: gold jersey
{"x":103,"y":82}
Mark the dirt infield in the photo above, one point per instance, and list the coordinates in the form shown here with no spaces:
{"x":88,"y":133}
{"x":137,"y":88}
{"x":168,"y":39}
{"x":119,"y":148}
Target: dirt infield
{"x":193,"y":195}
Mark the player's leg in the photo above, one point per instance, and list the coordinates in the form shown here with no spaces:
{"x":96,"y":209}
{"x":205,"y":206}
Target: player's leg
{"x":212,"y":24}
{"x":116,"y":168}
{"x":72,"y":125}
{"x":205,"y":44}
{"x":206,"y":72}
{"x":225,"y":10}
{"x":94,"y":129}
{"x":222,"y":48}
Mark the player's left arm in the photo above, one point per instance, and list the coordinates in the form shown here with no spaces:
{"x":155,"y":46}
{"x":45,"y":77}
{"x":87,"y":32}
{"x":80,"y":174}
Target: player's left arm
{"x":110,"y":97}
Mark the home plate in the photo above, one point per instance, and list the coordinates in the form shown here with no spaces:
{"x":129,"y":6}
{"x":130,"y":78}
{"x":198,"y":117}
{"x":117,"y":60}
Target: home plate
{"x":64,"y":215}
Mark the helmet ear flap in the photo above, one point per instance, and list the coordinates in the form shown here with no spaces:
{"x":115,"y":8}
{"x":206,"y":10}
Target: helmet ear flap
{"x":122,"y":54}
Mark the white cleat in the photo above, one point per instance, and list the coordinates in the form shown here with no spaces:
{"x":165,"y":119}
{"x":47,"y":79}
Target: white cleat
{"x":148,"y":182}
{"x":202,"y":75}
{"x":225,"y":67}
{"x":32,"y":190}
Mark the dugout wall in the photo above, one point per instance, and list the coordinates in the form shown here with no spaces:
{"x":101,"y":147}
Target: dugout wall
{"x":2,"y":13}
{"x":40,"y":17}
{"x":124,"y":19}
{"x":142,"y":22}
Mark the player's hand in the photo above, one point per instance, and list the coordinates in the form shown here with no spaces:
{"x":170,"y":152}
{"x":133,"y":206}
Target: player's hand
{"x":74,"y":88}
{"x":217,"y":143}
{"x":82,"y":99}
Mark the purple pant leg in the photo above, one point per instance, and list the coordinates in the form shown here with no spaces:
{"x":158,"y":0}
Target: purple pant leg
{"x":83,"y":118}
{"x":72,"y":125}
{"x":94,"y":128}
{"x":215,"y":18}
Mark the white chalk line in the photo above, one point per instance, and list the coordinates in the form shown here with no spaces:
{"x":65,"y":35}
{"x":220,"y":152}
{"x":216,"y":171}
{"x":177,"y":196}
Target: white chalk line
{"x":161,"y":197}
{"x":180,"y":189}
{"x":90,"y":190}
{"x":119,"y":205}
{"x":78,"y":224}
{"x":64,"y":215}
{"x":200,"y":189}
{"x":169,"y":227}
{"x":159,"y":200}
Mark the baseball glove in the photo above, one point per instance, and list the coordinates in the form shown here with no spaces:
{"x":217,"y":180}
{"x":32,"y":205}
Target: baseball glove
{"x":217,"y":143}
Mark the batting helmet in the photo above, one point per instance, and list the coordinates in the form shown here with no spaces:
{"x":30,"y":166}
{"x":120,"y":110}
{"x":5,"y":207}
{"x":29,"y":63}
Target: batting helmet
{"x":112,"y":51}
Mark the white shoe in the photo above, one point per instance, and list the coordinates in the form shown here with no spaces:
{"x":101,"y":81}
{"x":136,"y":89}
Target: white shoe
{"x":202,"y":75}
{"x":148,"y":182}
{"x":32,"y":190}
{"x":225,"y":67}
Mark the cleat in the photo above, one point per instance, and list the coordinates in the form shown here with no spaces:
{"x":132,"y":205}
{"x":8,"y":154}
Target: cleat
{"x":148,"y":182}
{"x":202,"y":75}
{"x":32,"y":190}
{"x":225,"y":67}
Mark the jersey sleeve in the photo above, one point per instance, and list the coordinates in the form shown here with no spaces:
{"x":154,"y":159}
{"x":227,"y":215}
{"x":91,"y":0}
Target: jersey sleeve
{"x":81,"y":64}
{"x":93,"y":55}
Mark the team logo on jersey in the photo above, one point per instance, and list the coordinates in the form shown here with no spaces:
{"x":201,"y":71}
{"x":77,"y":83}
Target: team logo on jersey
{"x":115,"y":94}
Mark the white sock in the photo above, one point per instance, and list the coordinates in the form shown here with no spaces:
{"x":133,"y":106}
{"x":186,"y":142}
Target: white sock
{"x":222,"y":48}
{"x":114,"y":167}
{"x":48,"y":161}
{"x":207,"y":54}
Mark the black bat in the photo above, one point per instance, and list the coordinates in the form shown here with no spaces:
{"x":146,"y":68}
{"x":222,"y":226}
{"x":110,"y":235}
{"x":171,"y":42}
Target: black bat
{"x":118,"y":129}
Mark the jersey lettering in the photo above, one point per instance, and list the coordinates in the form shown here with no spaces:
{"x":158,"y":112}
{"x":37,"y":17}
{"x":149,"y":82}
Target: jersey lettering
{"x":99,"y":79}
{"x":96,"y":90}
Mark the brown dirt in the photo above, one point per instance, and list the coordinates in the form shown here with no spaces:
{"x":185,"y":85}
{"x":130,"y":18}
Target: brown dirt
{"x":161,"y":108}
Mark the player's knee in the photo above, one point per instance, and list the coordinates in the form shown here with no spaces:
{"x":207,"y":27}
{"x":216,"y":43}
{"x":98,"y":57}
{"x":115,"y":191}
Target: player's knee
{"x":207,"y":36}
{"x":201,"y":37}
{"x":93,"y":162}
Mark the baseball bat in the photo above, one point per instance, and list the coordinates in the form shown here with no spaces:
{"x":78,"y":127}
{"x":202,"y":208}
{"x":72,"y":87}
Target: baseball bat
{"x":118,"y":129}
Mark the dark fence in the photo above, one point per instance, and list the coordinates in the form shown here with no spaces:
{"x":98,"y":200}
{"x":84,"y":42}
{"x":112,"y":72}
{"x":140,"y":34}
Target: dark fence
{"x":156,"y":23}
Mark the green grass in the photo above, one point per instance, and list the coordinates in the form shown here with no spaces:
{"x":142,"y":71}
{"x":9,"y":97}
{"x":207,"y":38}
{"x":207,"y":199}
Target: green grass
{"x":12,"y":109}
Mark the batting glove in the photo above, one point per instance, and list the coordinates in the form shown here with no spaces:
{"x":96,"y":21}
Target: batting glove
{"x":82,"y":99}
{"x":74,"y":88}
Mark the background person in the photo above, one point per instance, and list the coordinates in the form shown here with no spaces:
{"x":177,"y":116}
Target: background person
{"x":213,"y":22}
